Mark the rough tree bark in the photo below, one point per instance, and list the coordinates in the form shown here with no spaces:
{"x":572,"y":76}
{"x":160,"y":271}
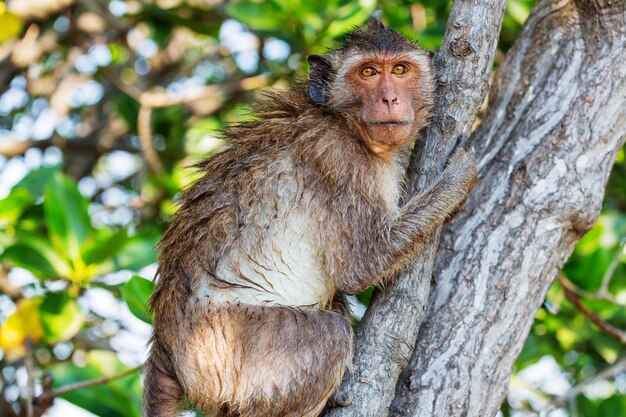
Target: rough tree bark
{"x":386,"y":336}
{"x":556,"y":119}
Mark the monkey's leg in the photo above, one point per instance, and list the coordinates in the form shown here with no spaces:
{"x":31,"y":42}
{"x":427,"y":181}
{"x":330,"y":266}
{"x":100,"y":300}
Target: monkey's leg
{"x":162,"y":393}
{"x":252,"y":361}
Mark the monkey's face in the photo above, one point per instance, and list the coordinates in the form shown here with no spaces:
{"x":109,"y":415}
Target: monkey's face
{"x":387,"y":88}
{"x":380,"y":82}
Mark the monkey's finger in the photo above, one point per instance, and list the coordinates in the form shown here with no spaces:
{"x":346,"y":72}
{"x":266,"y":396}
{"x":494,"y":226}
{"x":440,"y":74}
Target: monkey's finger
{"x":461,"y":142}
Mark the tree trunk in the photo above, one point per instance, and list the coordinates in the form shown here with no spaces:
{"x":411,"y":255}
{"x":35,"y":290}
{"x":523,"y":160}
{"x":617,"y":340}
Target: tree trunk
{"x":556,"y":120}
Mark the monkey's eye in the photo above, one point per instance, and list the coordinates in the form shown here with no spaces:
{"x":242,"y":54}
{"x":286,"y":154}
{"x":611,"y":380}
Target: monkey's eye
{"x":368,"y":71}
{"x":400,"y":69}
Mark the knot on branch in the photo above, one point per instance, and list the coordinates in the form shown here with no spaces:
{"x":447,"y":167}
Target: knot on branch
{"x":461,"y":48}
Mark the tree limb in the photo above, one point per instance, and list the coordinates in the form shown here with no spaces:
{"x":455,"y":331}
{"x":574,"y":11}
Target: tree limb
{"x":609,"y":329}
{"x":386,"y":336}
{"x":49,"y":394}
{"x":10,"y":146}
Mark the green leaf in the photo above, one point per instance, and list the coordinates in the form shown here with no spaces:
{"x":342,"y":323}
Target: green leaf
{"x":12,"y":207}
{"x":34,"y":253}
{"x":258,"y":15}
{"x":66,"y":215}
{"x":615,"y":405}
{"x":121,"y":397}
{"x":36,"y":180}
{"x":105,"y":247}
{"x":518,"y":10}
{"x":60,"y":316}
{"x":137,"y":252}
{"x":136,"y":293}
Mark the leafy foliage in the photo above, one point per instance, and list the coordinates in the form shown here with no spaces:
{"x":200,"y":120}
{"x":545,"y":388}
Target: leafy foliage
{"x":105,"y":106}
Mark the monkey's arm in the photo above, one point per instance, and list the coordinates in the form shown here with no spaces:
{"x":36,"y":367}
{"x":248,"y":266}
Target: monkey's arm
{"x":392,"y":248}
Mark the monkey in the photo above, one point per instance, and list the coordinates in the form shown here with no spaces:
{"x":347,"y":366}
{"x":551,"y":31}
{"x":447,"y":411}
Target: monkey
{"x":301,"y":209}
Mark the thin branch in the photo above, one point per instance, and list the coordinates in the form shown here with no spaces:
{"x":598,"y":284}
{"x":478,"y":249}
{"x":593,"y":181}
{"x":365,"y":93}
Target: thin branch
{"x":92,"y":382}
{"x":5,"y":407}
{"x":30,"y":378}
{"x":102,"y":10}
{"x":129,"y":89}
{"x":11,"y":146}
{"x":609,"y":329}
{"x":50,"y":394}
{"x":597,"y":296}
{"x":7,"y":288}
{"x":158,"y":97}
{"x":144,"y":130}
{"x":609,"y":372}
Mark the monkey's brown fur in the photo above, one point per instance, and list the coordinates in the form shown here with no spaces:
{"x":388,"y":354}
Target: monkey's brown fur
{"x":302,"y":208}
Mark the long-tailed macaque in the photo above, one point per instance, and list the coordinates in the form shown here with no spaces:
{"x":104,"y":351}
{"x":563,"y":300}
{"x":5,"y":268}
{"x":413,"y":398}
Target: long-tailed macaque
{"x":301,"y":209}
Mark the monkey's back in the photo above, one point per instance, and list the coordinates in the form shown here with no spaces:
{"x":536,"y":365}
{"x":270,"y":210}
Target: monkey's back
{"x":243,"y":232}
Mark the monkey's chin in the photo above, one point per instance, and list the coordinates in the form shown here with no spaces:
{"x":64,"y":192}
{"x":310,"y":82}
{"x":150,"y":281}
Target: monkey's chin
{"x":391,"y":135}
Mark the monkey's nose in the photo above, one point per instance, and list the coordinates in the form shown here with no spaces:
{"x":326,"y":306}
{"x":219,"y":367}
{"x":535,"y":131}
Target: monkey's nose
{"x":391,"y":100}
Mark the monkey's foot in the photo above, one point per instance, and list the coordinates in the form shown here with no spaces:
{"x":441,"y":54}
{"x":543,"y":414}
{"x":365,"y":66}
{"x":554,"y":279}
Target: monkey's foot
{"x":340,"y":399}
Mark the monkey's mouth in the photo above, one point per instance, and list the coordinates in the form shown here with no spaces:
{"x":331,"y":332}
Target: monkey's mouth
{"x":390,"y":123}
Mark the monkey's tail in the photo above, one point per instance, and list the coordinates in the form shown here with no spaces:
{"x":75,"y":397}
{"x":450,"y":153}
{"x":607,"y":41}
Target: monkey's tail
{"x":162,"y":394}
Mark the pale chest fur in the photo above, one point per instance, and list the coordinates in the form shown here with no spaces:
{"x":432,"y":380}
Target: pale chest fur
{"x":279,"y":261}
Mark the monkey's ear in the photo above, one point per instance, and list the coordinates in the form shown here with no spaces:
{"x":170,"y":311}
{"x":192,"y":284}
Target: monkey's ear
{"x":320,"y":76}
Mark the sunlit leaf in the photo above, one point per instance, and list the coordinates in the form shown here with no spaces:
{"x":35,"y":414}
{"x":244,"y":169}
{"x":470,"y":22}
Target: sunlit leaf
{"x":12,"y":207}
{"x":258,"y":15}
{"x":60,"y":316}
{"x":518,"y":10}
{"x":10,"y":24}
{"x":23,"y":324}
{"x":34,"y":252}
{"x":66,"y":215}
{"x":607,"y":347}
{"x":136,"y":293}
{"x":348,"y":16}
{"x":105,"y":247}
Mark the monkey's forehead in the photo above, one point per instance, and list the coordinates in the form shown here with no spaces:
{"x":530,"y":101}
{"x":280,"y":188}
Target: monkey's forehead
{"x":377,"y":37}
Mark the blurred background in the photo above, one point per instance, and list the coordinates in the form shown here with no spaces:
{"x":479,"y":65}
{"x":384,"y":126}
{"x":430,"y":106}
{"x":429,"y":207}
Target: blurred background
{"x":104,"y":108}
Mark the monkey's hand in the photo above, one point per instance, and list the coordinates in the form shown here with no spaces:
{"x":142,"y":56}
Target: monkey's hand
{"x":461,"y":168}
{"x":461,"y":143}
{"x":461,"y":162}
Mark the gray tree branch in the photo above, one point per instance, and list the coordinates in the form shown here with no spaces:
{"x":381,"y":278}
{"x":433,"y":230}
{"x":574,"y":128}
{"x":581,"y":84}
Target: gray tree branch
{"x":386,"y":336}
{"x":546,"y":146}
